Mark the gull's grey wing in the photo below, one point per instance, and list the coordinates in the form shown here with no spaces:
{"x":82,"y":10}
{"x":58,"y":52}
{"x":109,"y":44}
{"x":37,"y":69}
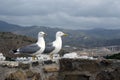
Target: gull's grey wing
{"x":29,"y":49}
{"x":49,"y":48}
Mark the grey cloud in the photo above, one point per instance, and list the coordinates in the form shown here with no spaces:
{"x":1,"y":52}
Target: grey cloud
{"x":74,"y":14}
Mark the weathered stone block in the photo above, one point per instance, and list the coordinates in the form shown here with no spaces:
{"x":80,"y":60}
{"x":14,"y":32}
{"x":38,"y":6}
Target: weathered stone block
{"x":18,"y":75}
{"x":51,"y":68}
{"x":53,"y":78}
{"x":24,"y":65}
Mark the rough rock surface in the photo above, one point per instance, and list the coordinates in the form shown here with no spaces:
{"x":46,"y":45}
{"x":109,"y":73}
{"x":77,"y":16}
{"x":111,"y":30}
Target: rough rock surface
{"x":81,"y":69}
{"x":67,"y":69}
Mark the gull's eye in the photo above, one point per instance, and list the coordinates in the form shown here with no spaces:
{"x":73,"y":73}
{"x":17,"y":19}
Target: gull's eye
{"x":41,"y":33}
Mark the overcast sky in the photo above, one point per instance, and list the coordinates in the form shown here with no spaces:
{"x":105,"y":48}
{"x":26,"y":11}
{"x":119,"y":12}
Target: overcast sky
{"x":70,"y":14}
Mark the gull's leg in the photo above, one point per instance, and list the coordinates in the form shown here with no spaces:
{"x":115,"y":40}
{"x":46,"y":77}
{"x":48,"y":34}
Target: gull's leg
{"x":37,"y":57}
{"x":33,"y":57}
{"x":51,"y":56}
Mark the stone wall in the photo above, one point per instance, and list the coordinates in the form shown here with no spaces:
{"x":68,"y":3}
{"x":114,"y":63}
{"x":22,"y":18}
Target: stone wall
{"x":80,"y":69}
{"x":66,"y":69}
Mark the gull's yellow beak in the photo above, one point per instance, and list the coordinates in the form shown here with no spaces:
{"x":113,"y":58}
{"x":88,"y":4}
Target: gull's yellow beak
{"x":65,"y":34}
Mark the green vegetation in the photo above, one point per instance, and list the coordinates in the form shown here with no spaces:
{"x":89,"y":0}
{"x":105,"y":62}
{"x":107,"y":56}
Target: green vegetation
{"x":114,"y":56}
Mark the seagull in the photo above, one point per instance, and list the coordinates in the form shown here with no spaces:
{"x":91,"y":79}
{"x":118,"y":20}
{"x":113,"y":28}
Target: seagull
{"x":55,"y":46}
{"x":33,"y":49}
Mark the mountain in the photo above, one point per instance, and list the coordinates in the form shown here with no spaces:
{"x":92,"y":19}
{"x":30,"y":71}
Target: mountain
{"x":80,"y":38}
{"x":4,"y":26}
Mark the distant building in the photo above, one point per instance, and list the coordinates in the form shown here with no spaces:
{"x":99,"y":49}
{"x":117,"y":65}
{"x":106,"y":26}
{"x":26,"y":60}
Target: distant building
{"x":43,"y":57}
{"x":2,"y":58}
{"x":70,"y":55}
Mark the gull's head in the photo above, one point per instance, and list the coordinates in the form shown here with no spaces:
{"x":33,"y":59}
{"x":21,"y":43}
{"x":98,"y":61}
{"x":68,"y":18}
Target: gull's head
{"x":41,"y":34}
{"x":60,"y":33}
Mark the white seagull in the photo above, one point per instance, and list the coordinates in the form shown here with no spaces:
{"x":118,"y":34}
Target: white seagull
{"x":55,"y":46}
{"x":33,"y":49}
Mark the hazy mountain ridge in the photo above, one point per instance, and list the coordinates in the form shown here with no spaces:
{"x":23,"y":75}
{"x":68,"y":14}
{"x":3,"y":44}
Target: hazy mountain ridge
{"x":83,"y":38}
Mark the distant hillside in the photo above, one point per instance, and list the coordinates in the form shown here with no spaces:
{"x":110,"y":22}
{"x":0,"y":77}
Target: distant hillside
{"x":79,"y":38}
{"x":10,"y":41}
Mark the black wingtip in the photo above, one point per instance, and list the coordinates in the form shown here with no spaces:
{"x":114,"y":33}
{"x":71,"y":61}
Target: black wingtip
{"x":13,"y":51}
